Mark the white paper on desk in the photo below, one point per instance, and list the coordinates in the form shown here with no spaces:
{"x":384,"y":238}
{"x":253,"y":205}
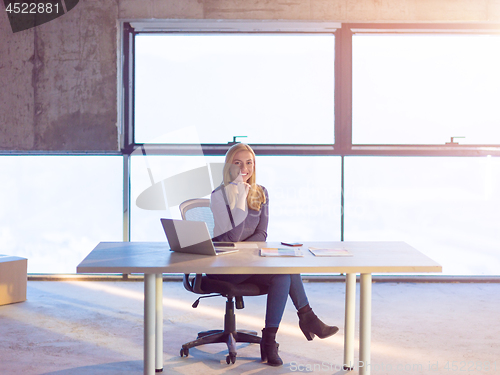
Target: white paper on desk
{"x":246,"y":245}
{"x":327,"y":252}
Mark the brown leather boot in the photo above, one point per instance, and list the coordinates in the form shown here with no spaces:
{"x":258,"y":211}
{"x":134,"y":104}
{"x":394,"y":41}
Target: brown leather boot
{"x":269,"y":347}
{"x":310,"y":325}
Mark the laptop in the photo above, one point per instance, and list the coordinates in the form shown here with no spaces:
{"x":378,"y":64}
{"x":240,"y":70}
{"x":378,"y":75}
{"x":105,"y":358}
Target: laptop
{"x":192,"y":237}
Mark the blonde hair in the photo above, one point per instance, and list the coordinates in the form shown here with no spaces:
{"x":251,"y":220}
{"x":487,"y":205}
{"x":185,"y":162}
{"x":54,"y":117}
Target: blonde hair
{"x":256,"y":196}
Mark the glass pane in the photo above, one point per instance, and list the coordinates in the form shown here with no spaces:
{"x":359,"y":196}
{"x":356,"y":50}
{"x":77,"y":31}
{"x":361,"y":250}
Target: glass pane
{"x":150,"y":171}
{"x":447,"y":208}
{"x":56,"y":209}
{"x":425,"y":89}
{"x":303,"y":206}
{"x":304,"y":197}
{"x":270,"y":88}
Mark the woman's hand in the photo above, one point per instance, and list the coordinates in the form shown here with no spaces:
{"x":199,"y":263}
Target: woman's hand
{"x":241,"y":199}
{"x":239,"y":190}
{"x":243,"y":189}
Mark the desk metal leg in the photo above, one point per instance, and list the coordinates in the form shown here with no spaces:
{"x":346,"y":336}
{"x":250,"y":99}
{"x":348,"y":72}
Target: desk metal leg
{"x":159,"y":322}
{"x":149,"y":324}
{"x":365,"y":323}
{"x":350,"y":318}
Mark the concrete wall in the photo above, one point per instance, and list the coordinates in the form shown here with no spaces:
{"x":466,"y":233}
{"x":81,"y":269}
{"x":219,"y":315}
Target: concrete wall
{"x":58,"y":81}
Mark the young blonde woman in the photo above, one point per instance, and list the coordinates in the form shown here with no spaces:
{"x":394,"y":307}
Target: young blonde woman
{"x":241,"y":213}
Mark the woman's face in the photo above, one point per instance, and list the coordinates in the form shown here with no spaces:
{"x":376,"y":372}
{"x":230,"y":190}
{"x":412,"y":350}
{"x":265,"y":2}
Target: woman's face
{"x":244,"y":162}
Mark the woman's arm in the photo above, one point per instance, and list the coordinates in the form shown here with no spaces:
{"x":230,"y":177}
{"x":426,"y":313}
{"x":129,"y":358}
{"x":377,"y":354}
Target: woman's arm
{"x":260,"y":233}
{"x":223,"y":229}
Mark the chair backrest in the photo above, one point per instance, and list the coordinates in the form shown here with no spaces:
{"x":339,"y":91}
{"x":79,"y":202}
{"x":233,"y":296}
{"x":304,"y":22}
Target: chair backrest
{"x":198,"y":210}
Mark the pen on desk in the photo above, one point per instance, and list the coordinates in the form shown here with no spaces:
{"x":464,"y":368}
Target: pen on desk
{"x":294,"y":244}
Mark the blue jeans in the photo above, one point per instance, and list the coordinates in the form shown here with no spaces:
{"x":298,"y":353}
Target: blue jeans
{"x":279,"y":287}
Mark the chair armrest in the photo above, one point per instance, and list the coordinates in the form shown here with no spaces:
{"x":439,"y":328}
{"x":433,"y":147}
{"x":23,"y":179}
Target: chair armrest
{"x":193,"y":285}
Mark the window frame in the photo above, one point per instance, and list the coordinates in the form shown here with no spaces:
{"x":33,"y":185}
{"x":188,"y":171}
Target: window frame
{"x":131,"y":29}
{"x":408,"y":149}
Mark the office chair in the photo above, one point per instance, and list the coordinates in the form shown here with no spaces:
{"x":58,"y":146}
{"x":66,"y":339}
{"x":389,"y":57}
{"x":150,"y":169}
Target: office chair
{"x":199,"y":210}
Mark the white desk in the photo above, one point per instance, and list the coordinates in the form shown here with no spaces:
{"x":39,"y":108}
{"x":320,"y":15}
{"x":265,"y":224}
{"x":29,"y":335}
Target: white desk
{"x":154,"y":258}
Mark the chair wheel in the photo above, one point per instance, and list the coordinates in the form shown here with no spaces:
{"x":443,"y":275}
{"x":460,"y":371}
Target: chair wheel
{"x":231,"y":358}
{"x":184,"y":352}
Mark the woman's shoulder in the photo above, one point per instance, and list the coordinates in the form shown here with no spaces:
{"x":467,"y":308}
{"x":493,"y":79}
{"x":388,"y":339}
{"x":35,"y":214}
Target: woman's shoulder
{"x":217,"y":193}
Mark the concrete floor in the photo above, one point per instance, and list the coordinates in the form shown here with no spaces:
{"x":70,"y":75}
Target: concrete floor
{"x":86,"y":327}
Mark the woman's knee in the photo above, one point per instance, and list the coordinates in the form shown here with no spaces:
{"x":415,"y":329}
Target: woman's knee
{"x":282,"y":280}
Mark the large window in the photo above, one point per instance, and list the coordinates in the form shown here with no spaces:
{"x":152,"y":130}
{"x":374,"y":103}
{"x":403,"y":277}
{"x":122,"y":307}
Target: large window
{"x":304,"y":194}
{"x":267,"y":87}
{"x":56,"y":209}
{"x":446,"y":207}
{"x":362,"y":131}
{"x":352,"y":125}
{"x":425,"y":89}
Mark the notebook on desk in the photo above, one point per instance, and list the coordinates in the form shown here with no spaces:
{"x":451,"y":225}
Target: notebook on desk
{"x":192,"y":237}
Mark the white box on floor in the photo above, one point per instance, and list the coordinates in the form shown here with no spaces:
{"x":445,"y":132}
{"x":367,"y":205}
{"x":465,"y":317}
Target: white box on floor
{"x":13,"y":279}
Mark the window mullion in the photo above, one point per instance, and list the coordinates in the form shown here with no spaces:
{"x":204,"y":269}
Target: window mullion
{"x":343,"y":90}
